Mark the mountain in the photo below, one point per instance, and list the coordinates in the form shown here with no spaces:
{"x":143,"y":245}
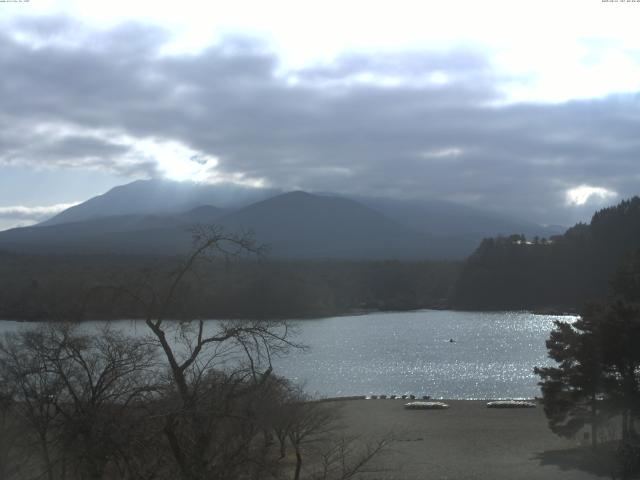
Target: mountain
{"x":203,"y":214}
{"x":127,"y":234}
{"x":293,"y":225}
{"x":155,"y":216}
{"x":302,"y":225}
{"x":445,"y":219}
{"x":454,"y":230}
{"x":160,"y":197}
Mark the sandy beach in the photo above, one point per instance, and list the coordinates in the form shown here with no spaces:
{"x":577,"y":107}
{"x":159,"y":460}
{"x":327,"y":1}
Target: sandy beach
{"x":467,"y":441}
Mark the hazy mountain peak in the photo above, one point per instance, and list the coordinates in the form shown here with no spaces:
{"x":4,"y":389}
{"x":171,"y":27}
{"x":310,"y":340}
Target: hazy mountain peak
{"x":296,"y":224}
{"x":161,"y":197}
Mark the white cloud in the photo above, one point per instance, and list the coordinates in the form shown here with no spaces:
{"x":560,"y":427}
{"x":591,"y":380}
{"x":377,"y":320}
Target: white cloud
{"x":175,"y":160}
{"x":33,"y":213}
{"x":558,"y":50}
{"x":582,"y":194}
{"x":451,"y":152}
{"x":227,"y":114}
{"x":6,"y":224}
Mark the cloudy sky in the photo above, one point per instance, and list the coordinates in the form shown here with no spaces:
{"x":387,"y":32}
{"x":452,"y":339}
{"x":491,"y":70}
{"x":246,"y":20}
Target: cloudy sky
{"x":528,"y":108}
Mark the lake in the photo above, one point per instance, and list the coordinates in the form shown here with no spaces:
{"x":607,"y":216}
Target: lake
{"x":492,"y":355}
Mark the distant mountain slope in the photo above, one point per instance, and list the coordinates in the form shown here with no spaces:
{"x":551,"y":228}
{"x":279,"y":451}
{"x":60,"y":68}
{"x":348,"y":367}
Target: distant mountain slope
{"x":453,"y":231}
{"x":571,"y":269}
{"x":302,"y":225}
{"x":128,"y":234}
{"x":204,"y":214}
{"x":293,"y":225}
{"x":446,"y":219}
{"x":160,"y":197}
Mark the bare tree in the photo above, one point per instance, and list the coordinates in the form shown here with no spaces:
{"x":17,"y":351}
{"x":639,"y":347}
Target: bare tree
{"x":214,"y":370}
{"x":75,"y":392}
{"x":10,"y":454}
{"x":193,"y":400}
{"x":349,"y":457}
{"x":33,"y":387}
{"x":310,"y":423}
{"x":316,"y":434}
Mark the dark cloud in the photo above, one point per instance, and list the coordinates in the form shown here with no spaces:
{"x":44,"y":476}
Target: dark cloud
{"x":422,"y":123}
{"x":75,"y":147}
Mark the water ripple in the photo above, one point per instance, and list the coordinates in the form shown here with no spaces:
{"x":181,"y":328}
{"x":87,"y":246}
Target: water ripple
{"x":492,"y":356}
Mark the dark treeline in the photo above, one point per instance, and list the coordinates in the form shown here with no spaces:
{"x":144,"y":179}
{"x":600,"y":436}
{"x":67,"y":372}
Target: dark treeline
{"x":34,"y":287}
{"x":562,"y":272}
{"x":106,"y":405}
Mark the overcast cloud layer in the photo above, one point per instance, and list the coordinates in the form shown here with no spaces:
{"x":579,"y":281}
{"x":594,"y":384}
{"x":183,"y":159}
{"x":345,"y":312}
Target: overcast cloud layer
{"x":416,"y":123}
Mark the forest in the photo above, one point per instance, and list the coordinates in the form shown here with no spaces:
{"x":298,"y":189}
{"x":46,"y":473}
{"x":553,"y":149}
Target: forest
{"x":66,"y":287}
{"x":560,"y":273}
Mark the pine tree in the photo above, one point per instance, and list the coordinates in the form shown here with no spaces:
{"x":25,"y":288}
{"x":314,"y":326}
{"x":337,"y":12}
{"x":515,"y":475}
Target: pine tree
{"x":571,"y":391}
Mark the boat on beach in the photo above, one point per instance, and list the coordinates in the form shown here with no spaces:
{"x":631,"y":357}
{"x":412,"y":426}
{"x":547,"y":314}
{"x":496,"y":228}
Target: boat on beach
{"x":511,"y":404}
{"x":426,"y":406}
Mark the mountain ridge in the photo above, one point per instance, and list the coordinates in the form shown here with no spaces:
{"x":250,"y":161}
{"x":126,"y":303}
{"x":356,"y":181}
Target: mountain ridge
{"x":294,"y":225}
{"x":297,"y":224}
{"x":160,"y":197}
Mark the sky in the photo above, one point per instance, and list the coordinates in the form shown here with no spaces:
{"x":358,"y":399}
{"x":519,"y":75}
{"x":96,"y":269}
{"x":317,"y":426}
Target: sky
{"x":526,"y":108}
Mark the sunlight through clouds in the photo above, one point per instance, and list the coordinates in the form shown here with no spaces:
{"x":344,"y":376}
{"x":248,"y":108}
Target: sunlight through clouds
{"x":582,"y":194}
{"x":490,"y":104}
{"x":546,"y":46}
{"x":175,"y":160}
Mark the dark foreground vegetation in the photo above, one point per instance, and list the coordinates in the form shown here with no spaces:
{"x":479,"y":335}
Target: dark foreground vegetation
{"x":596,"y":383}
{"x":107,"y":406}
{"x":179,"y":400}
{"x":560,"y":273}
{"x":596,"y":380}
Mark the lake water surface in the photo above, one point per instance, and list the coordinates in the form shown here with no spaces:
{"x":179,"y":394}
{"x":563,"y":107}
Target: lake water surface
{"x":492,"y":356}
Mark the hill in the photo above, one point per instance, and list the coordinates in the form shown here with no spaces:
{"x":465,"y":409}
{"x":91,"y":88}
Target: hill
{"x":562,"y":272}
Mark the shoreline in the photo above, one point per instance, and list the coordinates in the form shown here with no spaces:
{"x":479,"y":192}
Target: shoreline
{"x":348,"y":398}
{"x":353,"y":313}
